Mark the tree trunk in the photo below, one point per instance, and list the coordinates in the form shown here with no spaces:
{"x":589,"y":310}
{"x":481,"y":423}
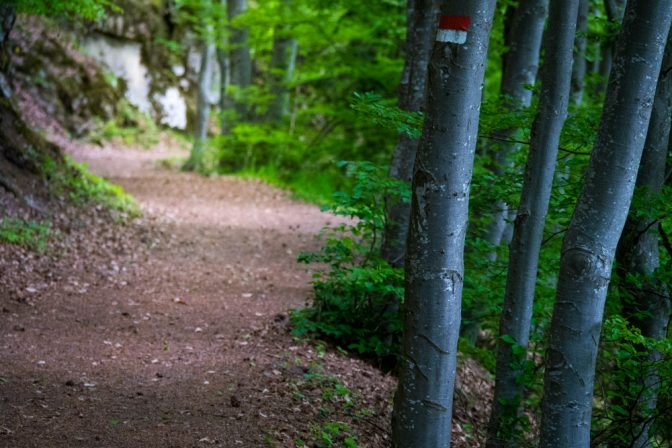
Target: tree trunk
{"x":225,"y":80}
{"x":225,"y":74}
{"x":283,"y":62}
{"x":648,"y":306}
{"x":523,"y":34}
{"x":241,"y":63}
{"x":439,"y":211}
{"x":195,"y":162}
{"x":420,"y":34}
{"x":614,"y":10}
{"x":529,"y":225}
{"x":579,"y":67}
{"x":594,"y":230}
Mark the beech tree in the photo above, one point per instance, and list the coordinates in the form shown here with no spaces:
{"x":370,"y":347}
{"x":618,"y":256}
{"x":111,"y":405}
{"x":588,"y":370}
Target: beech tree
{"x":240,"y":60}
{"x":524,"y":28}
{"x":614,"y":10}
{"x":421,"y":27}
{"x":580,"y":45}
{"x":590,"y":242}
{"x":224,"y":62}
{"x":529,"y":225}
{"x":439,"y":210}
{"x":647,"y":302}
{"x":195,"y":161}
{"x":283,"y":62}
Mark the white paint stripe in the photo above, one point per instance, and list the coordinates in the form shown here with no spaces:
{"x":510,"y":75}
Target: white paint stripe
{"x":453,"y":36}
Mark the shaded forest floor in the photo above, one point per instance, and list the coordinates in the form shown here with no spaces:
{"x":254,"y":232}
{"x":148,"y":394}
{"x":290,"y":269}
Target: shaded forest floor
{"x":172,"y":330}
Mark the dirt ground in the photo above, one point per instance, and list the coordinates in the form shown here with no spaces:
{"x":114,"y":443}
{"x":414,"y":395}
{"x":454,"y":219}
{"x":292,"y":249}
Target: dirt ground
{"x":172,"y":330}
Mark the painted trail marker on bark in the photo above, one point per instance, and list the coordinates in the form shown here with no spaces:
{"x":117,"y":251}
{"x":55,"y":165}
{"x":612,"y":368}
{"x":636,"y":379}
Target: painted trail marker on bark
{"x":453,"y":29}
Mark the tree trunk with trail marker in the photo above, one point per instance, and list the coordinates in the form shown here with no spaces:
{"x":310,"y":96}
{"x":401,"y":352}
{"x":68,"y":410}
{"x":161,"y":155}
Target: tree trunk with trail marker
{"x":195,"y":162}
{"x":439,"y":212}
{"x":529,"y":226}
{"x":648,"y":307}
{"x":524,"y":30}
{"x":421,"y":30}
{"x":594,"y":230}
{"x":240,"y":60}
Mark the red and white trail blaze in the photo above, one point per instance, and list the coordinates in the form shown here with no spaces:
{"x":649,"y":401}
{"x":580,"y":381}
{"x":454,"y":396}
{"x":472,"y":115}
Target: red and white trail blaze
{"x":453,"y":29}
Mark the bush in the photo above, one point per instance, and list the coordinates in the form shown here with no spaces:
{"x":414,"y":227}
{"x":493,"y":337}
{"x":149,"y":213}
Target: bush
{"x":357,"y":295}
{"x":634,"y":387}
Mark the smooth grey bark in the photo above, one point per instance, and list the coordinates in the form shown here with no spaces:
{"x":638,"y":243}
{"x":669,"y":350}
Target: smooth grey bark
{"x":649,"y":306}
{"x":195,"y":161}
{"x":225,"y":74}
{"x":529,"y":226}
{"x":439,"y":212}
{"x":590,"y":241}
{"x":523,"y":35}
{"x":580,"y":45}
{"x":241,"y":62}
{"x":614,"y":10}
{"x":283,"y":63}
{"x":421,"y":30}
{"x":225,"y":80}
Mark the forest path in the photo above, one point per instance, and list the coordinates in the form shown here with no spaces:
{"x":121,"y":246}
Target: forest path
{"x":186,"y":346}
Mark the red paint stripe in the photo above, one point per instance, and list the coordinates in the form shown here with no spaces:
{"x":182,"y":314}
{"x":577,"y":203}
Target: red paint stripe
{"x":460,"y":23}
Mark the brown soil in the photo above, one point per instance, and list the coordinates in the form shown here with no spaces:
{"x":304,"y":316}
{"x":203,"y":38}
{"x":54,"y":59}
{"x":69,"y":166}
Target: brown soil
{"x":172,"y":330}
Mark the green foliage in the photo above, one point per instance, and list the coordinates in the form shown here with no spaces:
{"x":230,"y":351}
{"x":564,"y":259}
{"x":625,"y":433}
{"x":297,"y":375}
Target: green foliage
{"x":344,"y":47}
{"x":632,"y":369}
{"x":386,"y":114}
{"x":357,"y":296}
{"x":86,"y":186}
{"x":335,"y":400}
{"x":81,"y":186}
{"x":335,"y":434}
{"x":87,"y":9}
{"x":31,"y":234}
{"x":131,"y":127}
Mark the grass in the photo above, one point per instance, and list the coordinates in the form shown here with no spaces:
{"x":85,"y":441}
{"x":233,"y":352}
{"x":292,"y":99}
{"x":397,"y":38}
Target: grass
{"x":85,"y":186}
{"x":315,"y":188}
{"x":30,"y":234}
{"x":78,"y":184}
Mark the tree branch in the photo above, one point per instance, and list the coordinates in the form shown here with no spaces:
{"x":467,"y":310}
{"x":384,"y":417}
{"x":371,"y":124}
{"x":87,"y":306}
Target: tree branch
{"x":553,"y":235}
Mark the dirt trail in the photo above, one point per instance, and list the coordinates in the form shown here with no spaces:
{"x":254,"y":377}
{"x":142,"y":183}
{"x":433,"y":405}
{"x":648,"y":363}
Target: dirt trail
{"x":184,"y":345}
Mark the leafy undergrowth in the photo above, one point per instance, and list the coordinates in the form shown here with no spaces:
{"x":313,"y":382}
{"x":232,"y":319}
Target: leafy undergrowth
{"x":357,"y":294}
{"x":341,"y":411}
{"x":344,"y":403}
{"x":27,"y":233}
{"x":131,"y":127}
{"x":80,"y":186}
{"x":69,"y":184}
